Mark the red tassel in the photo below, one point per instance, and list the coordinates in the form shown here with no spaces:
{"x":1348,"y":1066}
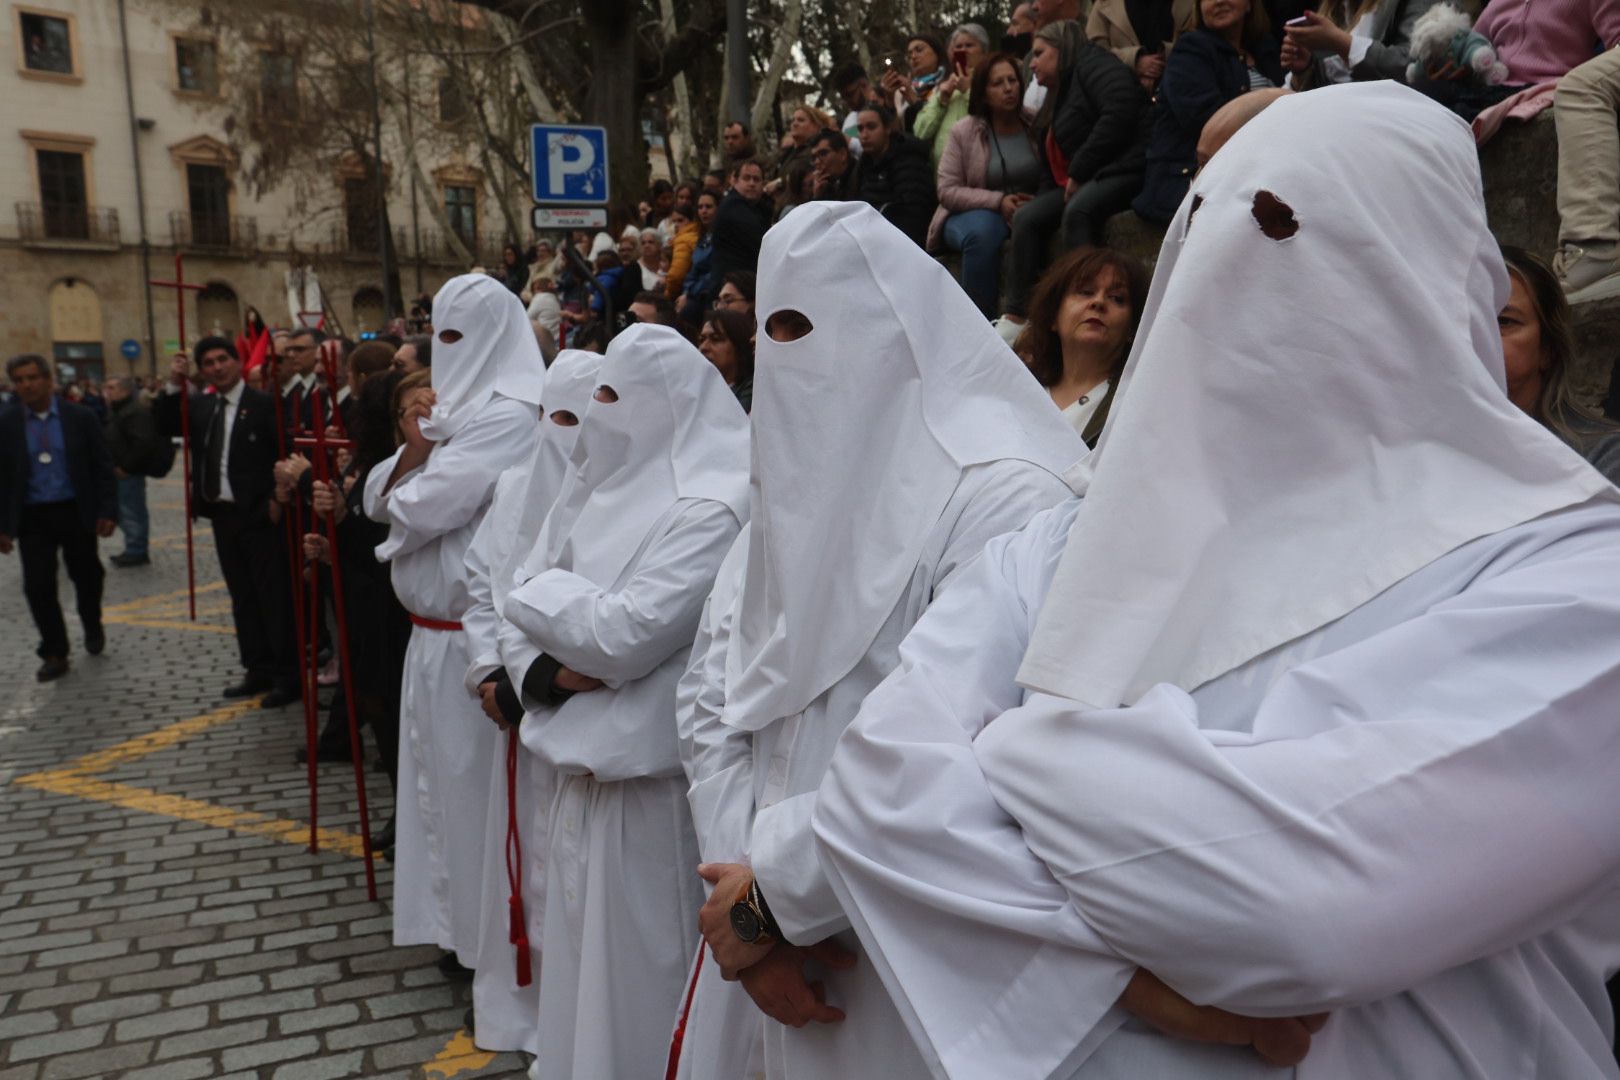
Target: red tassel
{"x":524,"y":975}
{"x":514,"y":905}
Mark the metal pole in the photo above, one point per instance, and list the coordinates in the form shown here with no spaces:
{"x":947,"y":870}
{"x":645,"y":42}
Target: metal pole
{"x":140,"y":205}
{"x":737,"y":95}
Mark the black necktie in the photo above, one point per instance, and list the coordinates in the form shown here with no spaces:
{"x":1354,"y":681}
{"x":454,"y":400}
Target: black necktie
{"x":214,"y":451}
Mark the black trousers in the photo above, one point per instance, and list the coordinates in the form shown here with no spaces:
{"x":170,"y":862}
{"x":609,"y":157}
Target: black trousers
{"x":253,"y":558}
{"x":46,"y":528}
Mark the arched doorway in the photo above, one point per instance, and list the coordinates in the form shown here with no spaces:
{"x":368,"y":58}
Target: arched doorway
{"x":76,"y":335}
{"x":218,"y":311}
{"x":368,"y":311}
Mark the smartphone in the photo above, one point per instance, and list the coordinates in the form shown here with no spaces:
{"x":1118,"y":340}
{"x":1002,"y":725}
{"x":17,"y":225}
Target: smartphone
{"x":887,"y":63}
{"x":1301,"y":21}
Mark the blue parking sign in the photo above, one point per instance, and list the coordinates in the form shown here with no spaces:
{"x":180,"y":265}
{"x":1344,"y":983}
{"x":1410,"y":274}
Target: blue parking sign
{"x":570,"y":164}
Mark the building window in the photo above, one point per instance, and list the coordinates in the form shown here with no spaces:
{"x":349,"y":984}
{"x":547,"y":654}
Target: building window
{"x":209,"y":194}
{"x":360,"y":213}
{"x":461,"y":207}
{"x":63,"y":197}
{"x":278,"y":85}
{"x":194,"y":67}
{"x":452,"y":102}
{"x":47,"y":42}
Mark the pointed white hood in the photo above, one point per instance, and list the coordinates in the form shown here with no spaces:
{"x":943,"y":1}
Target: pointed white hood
{"x":1305,"y":419}
{"x":675,"y":432}
{"x":861,"y":431}
{"x":495,"y":354}
{"x":570,"y":381}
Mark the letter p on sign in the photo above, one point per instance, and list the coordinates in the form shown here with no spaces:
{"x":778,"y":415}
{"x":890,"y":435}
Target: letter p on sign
{"x":570,"y":164}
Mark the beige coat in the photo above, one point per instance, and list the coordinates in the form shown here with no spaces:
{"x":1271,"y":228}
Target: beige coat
{"x":1109,"y":26}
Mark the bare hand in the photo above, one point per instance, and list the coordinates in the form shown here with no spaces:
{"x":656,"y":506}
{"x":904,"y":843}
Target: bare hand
{"x":1295,"y":57}
{"x":105,"y":527}
{"x":492,"y":708}
{"x":5,"y":544}
{"x":1318,"y":34}
{"x":179,"y":369}
{"x":1280,"y":1041}
{"x":1149,"y":67}
{"x":780,"y":990}
{"x":409,"y":426}
{"x":1011,"y":203}
{"x":568,"y":679}
{"x":732,"y":953}
{"x":316,"y":548}
{"x":324,"y":498}
{"x":893,"y":81}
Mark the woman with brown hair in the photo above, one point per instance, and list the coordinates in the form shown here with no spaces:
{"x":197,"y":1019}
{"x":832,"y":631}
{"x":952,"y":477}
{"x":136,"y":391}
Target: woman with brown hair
{"x":727,"y":342}
{"x":1082,"y":320}
{"x":992,"y":166}
{"x":1538,"y":345}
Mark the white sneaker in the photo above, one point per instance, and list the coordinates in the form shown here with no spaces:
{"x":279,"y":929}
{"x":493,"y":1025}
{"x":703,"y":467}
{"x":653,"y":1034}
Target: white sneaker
{"x":1586,"y":275}
{"x":1008,"y":329}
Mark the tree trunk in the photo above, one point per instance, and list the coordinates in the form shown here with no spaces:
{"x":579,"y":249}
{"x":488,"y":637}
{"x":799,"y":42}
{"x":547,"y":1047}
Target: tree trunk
{"x":614,"y":101}
{"x":787,"y":36}
{"x":686,"y":164}
{"x":857,"y":28}
{"x":542,"y":105}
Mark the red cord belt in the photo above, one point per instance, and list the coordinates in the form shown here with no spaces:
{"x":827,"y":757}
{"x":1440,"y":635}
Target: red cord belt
{"x":433,"y":624}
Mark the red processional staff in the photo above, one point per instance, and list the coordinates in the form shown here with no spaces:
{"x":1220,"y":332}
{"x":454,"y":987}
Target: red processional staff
{"x":293,"y":523}
{"x":324,"y":410}
{"x":179,"y":285}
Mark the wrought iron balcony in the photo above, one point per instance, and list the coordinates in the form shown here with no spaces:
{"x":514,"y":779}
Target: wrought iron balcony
{"x":67,"y":225}
{"x":236,"y":234}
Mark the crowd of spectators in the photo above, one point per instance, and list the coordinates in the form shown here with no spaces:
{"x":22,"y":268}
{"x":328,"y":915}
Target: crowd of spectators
{"x":1005,"y":149}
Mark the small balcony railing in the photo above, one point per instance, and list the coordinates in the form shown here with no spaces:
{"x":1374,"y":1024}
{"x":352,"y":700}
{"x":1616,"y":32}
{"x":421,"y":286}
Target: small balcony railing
{"x":67,"y":224}
{"x":235,"y":234}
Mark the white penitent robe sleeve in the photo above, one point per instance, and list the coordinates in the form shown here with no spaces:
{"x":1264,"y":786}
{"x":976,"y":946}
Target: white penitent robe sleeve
{"x":718,"y":758}
{"x":1432,"y":794}
{"x":984,"y":954}
{"x":620,"y":633}
{"x":479,"y":619}
{"x":455,"y":484}
{"x":991,"y":500}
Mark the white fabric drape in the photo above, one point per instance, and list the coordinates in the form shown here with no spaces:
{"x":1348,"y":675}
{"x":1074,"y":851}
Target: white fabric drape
{"x":1274,"y":458}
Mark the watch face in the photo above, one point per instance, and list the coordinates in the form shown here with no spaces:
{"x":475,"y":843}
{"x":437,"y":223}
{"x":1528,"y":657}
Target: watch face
{"x":745,"y":923}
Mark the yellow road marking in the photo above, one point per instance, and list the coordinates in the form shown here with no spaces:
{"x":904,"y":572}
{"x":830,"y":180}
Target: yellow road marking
{"x":78,"y":779}
{"x":171,"y":624}
{"x":156,"y":599}
{"x":151,"y":802}
{"x":460,"y":1055}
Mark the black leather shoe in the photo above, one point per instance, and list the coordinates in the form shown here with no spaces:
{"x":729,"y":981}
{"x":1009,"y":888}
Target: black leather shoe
{"x":124,"y":561}
{"x":467,"y":1019}
{"x":54,"y":667}
{"x":452,"y":968}
{"x":247,"y":688}
{"x":384,"y":840}
{"x":279,"y":696}
{"x":95,"y":641}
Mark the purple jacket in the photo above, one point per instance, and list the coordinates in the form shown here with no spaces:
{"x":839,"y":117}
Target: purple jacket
{"x":963,"y":169}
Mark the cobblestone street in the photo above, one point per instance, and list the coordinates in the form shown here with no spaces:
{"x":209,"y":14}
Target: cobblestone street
{"x":160,"y":915}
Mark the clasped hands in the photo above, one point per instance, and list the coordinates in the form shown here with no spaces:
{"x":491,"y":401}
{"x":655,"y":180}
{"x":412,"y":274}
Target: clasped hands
{"x":773,"y":974}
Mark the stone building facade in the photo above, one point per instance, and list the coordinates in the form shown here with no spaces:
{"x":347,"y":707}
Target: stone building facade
{"x":116,"y":155}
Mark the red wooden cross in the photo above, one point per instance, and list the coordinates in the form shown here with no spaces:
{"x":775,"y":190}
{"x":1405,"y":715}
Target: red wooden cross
{"x":180,"y":285}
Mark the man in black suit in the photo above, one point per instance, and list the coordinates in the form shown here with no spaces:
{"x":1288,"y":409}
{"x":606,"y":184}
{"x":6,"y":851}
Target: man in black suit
{"x":233,"y":453}
{"x":56,"y":492}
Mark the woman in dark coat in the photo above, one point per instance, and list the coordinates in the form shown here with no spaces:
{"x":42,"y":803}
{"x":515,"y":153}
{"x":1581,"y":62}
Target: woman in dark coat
{"x":1228,"y":53}
{"x":1092,"y":128}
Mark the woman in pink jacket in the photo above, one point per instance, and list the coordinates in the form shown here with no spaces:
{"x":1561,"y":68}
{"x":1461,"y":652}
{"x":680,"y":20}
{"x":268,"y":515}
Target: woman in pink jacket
{"x":991,"y":166}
